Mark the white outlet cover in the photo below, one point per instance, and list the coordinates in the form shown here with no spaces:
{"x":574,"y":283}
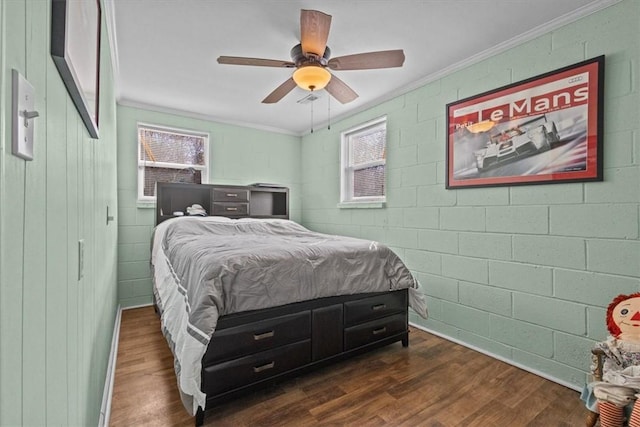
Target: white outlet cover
{"x":24,"y":101}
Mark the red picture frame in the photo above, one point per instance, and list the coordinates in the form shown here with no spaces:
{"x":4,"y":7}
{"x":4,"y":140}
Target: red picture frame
{"x":543,"y":130}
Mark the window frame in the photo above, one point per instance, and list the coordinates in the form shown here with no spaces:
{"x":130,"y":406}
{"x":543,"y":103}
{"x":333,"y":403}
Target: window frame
{"x":142,"y":163}
{"x":346,"y":171}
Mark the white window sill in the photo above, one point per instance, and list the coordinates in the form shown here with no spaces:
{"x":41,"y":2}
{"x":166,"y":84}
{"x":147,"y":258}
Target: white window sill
{"x":361,"y":205}
{"x":146,"y":204}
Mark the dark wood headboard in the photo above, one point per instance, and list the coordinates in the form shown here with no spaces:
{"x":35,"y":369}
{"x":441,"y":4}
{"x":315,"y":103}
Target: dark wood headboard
{"x":232,"y":201}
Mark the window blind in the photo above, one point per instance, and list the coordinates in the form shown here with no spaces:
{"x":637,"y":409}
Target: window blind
{"x":170,"y":156}
{"x":367,"y":152}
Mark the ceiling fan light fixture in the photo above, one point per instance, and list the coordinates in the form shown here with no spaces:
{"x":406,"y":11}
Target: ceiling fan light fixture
{"x":311,"y":77}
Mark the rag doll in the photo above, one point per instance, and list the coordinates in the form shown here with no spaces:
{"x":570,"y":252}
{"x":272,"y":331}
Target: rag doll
{"x":620,"y":385}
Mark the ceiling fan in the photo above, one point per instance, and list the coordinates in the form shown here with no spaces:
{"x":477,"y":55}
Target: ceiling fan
{"x":310,"y":58}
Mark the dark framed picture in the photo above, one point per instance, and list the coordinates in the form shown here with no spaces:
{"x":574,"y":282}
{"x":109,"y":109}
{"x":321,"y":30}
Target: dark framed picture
{"x":75,"y":49}
{"x":546,"y":129}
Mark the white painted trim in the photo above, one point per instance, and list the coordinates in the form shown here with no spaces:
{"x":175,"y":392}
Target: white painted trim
{"x":142,"y":163}
{"x":527,"y":36}
{"x":554,"y":24}
{"x":108,"y":9}
{"x":500,"y":358}
{"x":150,"y":304}
{"x":107,"y":393}
{"x":135,"y":104}
{"x":105,"y":409}
{"x":534,"y":33}
{"x":361,"y":205}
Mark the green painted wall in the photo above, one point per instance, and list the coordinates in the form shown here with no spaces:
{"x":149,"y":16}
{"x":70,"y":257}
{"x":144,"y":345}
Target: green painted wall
{"x":525,"y":272}
{"x":237,"y":155}
{"x":55,"y":330}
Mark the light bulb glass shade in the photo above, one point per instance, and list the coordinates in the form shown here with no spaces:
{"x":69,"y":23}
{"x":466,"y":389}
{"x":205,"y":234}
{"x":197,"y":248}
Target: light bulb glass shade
{"x":311,"y":77}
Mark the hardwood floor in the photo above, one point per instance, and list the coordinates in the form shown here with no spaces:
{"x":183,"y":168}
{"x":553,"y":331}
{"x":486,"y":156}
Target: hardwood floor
{"x":432,"y":383}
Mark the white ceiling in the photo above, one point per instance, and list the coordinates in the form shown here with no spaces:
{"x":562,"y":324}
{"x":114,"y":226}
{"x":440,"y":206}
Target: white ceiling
{"x":165,"y":50}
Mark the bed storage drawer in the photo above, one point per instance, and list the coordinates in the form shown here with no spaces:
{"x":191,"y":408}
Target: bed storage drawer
{"x":357,"y":336}
{"x":230,"y":209}
{"x":230,"y":195}
{"x":250,"y":369}
{"x":374,"y":307}
{"x":251,"y":338}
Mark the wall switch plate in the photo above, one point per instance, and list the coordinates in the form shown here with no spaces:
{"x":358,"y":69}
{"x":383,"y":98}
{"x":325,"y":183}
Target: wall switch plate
{"x":23,"y":112}
{"x":80,"y":258}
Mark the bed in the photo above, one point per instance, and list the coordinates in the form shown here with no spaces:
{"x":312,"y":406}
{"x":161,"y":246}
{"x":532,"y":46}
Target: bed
{"x":250,"y":297}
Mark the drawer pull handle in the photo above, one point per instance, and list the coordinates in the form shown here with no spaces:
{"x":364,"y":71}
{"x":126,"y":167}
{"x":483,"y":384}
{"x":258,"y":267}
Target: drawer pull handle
{"x":232,"y":209}
{"x":232,"y":194}
{"x":258,"y":337}
{"x":268,"y":366}
{"x":380,"y":330}
{"x":379,"y":307}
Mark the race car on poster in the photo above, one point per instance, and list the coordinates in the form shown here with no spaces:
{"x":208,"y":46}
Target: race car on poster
{"x":531,"y":137}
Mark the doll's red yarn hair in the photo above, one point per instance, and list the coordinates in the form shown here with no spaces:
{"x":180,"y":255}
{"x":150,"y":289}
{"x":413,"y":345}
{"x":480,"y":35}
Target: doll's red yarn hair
{"x":611,"y":325}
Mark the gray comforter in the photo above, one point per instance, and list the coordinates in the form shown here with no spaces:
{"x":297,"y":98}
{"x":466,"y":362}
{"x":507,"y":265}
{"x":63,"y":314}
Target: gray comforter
{"x":217,"y":266}
{"x":247,"y":265}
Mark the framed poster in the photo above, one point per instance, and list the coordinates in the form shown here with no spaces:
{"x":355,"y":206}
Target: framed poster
{"x":546,"y":129}
{"x":75,"y":49}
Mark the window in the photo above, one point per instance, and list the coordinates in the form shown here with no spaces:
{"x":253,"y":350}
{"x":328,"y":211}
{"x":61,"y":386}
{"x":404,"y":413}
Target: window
{"x":363,"y":163}
{"x":170,"y":155}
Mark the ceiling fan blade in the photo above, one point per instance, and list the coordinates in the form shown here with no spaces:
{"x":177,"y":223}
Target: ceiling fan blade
{"x":239,"y":60}
{"x":280,"y":92}
{"x":314,"y":31}
{"x":340,"y":91}
{"x":368,"y":60}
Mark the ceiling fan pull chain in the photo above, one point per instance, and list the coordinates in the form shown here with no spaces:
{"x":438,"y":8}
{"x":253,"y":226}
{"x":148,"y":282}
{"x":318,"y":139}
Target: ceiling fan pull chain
{"x":329,"y":113}
{"x":312,"y":114}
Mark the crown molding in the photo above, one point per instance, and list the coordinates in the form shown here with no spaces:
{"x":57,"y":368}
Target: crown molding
{"x":108,"y":9}
{"x":546,"y":28}
{"x":189,"y":114}
{"x":534,"y":33}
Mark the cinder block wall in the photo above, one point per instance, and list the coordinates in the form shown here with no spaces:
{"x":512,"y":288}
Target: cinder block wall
{"x":237,"y":156}
{"x":522,"y":273}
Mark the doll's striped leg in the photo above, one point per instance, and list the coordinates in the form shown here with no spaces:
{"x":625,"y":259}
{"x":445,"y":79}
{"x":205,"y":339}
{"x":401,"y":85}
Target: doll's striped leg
{"x":610,"y":414}
{"x":634,"y":420}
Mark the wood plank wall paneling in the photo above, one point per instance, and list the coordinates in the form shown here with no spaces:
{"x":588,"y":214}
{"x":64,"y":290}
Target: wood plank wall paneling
{"x":57,"y":273}
{"x":34,"y":351}
{"x":55,"y":330}
{"x":12,"y":184}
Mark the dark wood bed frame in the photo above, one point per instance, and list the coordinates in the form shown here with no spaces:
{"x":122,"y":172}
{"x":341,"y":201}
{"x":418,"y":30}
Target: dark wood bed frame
{"x":254,"y":349}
